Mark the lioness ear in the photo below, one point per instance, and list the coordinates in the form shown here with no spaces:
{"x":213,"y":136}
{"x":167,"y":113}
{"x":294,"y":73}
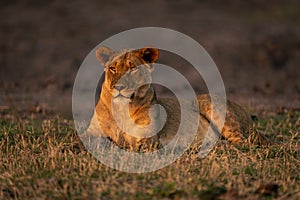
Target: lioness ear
{"x":103,"y":54}
{"x":150,"y":55}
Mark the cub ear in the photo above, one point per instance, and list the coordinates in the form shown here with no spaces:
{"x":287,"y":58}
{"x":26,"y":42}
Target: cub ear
{"x":149,"y":54}
{"x":103,"y":54}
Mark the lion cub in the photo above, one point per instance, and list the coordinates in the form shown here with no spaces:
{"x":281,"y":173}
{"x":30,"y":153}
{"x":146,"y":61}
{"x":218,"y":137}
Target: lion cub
{"x":127,"y":111}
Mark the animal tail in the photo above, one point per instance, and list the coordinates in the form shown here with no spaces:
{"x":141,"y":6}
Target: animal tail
{"x":257,"y":138}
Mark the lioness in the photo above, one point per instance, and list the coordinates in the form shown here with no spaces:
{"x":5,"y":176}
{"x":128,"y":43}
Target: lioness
{"x":124,"y":112}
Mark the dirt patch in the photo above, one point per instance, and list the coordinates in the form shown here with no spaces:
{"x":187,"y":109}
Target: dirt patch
{"x":255,"y":45}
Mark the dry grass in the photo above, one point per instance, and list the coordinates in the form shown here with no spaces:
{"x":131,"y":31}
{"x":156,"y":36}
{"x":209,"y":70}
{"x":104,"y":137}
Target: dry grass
{"x":44,"y":159}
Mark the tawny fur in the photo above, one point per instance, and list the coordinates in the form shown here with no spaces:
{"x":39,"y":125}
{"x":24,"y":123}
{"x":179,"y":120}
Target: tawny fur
{"x":237,"y":126}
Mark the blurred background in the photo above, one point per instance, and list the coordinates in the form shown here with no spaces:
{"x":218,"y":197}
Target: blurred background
{"x":255,"y":44}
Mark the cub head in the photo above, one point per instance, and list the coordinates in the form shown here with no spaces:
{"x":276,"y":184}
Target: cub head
{"x":128,"y":72}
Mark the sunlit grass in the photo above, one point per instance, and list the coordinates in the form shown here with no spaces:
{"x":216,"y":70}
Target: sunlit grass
{"x":44,"y":158}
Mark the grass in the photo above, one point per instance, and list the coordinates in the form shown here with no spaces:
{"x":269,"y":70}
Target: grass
{"x":43,"y":158}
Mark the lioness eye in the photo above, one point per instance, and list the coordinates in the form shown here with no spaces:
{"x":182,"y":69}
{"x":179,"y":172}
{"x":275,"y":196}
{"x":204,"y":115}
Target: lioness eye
{"x":113,"y":69}
{"x":129,"y":63}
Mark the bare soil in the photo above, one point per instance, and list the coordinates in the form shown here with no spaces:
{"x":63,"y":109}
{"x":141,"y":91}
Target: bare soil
{"x":255,"y":44}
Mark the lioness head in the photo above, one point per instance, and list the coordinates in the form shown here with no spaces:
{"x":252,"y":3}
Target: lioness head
{"x":127,"y":72}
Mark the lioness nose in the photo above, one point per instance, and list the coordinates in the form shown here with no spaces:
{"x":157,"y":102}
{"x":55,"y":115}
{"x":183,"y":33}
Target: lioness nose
{"x":119,"y":87}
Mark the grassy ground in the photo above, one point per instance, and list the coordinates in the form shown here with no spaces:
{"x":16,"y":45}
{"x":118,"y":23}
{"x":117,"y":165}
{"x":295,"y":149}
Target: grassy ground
{"x":42,"y":158}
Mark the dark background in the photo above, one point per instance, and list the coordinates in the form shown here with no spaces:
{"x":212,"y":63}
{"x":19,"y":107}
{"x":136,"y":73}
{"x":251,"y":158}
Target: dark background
{"x":255,"y":44}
